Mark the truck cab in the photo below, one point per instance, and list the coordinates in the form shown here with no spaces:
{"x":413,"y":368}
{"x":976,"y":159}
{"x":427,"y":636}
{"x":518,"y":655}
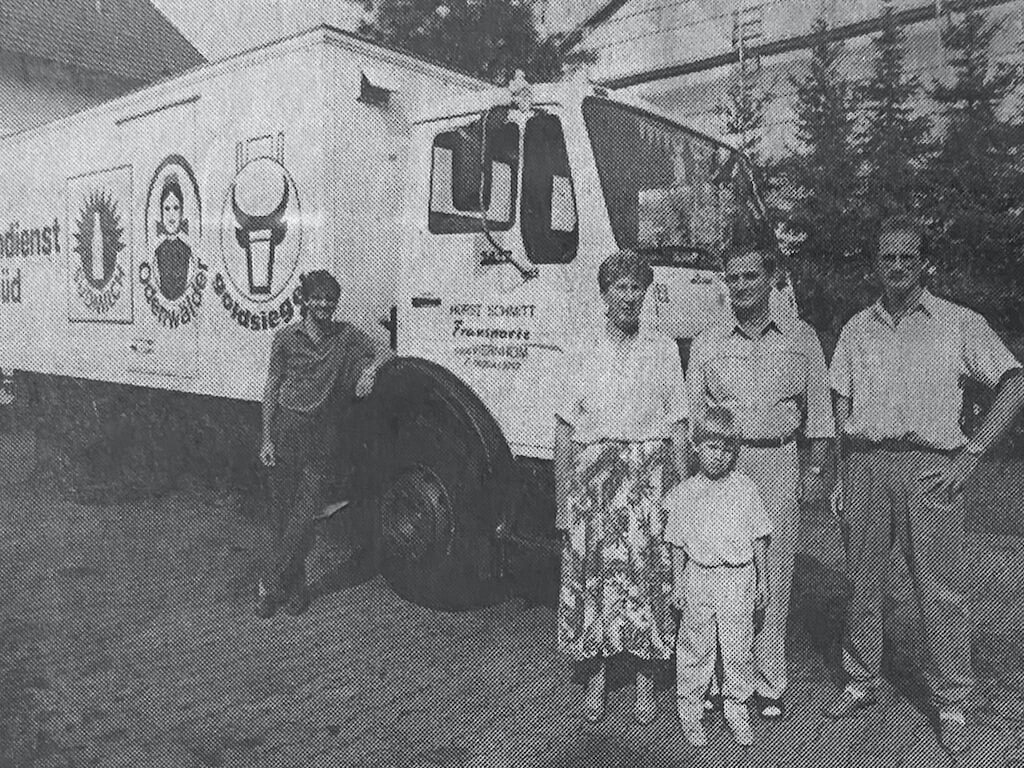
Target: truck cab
{"x":518,"y":198}
{"x":515,"y":198}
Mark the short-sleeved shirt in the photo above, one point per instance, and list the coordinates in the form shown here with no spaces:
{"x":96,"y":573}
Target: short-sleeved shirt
{"x":716,"y":521}
{"x":309,"y":373}
{"x":904,"y":380}
{"x":774,"y":382}
{"x":630,"y":390}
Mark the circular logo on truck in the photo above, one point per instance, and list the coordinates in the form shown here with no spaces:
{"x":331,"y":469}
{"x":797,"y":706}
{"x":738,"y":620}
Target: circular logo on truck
{"x":99,"y":261}
{"x":261,"y":241}
{"x":173,"y":276}
{"x":260,"y":237}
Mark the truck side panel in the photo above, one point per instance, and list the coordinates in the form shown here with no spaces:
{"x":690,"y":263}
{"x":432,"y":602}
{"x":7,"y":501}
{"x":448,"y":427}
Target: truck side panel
{"x":370,"y":106}
{"x":104,"y":283}
{"x":157,"y":240}
{"x":261,"y":155}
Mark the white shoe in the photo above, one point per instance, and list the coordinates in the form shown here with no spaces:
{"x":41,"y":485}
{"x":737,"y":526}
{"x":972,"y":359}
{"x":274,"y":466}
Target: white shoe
{"x":694,"y":733}
{"x":645,"y":708}
{"x":738,"y":719}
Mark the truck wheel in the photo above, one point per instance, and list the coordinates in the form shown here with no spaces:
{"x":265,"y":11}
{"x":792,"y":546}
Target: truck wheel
{"x":445,"y":488}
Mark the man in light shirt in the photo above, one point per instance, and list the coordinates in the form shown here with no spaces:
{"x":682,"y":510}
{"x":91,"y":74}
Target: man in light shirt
{"x":897,"y":374}
{"x":767,"y":368}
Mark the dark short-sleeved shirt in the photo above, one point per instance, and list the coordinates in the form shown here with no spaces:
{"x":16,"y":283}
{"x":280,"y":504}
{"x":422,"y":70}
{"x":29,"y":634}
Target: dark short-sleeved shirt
{"x":309,"y":373}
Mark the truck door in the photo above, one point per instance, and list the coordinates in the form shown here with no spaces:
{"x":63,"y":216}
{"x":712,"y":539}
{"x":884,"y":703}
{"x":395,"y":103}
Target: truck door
{"x":170,"y":264}
{"x":492,"y":292}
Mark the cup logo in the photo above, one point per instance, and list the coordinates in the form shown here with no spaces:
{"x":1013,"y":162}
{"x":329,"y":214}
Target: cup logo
{"x":260,"y":234}
{"x":261,"y":237}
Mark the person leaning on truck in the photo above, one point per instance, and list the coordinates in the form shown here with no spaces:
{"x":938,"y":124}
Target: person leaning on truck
{"x":897,"y":374}
{"x":625,"y":401}
{"x":317,"y":366}
{"x":768,"y":368}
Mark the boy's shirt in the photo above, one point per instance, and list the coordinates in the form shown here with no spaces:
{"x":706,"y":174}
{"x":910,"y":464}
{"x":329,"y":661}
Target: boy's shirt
{"x":716,"y":521}
{"x":309,"y":372}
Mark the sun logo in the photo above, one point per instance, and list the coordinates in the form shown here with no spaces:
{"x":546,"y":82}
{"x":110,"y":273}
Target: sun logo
{"x":98,"y":239}
{"x":99,"y":279}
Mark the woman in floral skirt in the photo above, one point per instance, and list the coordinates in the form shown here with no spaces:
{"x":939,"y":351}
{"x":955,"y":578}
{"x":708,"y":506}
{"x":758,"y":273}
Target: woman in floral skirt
{"x":624,"y":410}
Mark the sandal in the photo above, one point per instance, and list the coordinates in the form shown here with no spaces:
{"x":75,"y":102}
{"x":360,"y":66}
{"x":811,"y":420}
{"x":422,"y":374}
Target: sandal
{"x":771,"y":709}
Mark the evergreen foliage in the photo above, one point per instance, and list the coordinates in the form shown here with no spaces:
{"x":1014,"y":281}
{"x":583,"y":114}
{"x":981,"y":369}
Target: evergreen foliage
{"x":742,"y":115}
{"x":893,"y":142}
{"x":976,"y":182}
{"x":823,"y":175}
{"x":490,"y":39}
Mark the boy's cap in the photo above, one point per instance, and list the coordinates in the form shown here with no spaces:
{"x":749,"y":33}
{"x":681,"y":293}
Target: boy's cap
{"x":717,"y":424}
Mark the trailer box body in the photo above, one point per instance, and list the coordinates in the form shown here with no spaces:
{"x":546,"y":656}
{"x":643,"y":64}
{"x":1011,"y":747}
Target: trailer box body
{"x":157,"y":240}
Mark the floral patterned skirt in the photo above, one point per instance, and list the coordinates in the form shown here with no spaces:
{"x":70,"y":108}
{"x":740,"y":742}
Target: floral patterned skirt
{"x":616,"y":568}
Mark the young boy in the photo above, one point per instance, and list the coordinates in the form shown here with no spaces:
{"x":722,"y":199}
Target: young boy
{"x":317,"y":367}
{"x":718,"y":529}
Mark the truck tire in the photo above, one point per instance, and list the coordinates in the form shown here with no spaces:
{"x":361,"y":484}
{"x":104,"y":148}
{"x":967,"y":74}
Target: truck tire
{"x":446,"y":471}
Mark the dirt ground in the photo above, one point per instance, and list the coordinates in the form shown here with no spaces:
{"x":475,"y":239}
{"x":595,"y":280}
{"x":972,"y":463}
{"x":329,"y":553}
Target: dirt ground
{"x":127,"y":638}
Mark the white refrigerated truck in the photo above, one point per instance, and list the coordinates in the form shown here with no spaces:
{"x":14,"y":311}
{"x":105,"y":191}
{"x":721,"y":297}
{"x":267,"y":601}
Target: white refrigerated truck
{"x":157,"y":241}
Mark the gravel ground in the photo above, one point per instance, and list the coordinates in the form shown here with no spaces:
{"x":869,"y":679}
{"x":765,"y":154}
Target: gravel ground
{"x":127,"y":638}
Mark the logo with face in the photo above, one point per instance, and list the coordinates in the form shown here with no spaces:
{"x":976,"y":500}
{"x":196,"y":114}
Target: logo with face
{"x":99,"y":259}
{"x":261,"y":237}
{"x":174,"y":276}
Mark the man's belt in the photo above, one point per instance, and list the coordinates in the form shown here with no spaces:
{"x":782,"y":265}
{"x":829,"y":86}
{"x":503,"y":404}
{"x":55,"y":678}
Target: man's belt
{"x":767,"y":442}
{"x":860,"y":445}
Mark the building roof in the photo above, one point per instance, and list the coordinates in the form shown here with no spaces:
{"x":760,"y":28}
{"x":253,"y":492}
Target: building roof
{"x":127,"y":38}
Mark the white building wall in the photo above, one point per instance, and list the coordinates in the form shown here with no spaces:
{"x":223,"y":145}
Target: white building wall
{"x":646,"y":36}
{"x":226,"y":27}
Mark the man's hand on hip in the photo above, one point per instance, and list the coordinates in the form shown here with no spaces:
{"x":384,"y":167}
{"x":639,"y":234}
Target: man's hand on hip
{"x":948,"y":481}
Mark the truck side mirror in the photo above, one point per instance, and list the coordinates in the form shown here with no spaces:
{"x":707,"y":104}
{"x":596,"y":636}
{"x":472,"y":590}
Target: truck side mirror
{"x":466,"y":169}
{"x":478,"y":147}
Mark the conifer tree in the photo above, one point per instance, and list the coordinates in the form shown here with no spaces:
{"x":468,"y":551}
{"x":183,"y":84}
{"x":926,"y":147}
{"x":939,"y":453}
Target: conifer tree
{"x":742,"y":114}
{"x":823,"y":173}
{"x":894,"y":141}
{"x":976,"y":182}
{"x":487,"y":38}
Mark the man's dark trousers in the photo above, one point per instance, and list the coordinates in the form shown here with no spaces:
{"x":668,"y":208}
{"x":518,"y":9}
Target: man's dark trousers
{"x":886,"y":503}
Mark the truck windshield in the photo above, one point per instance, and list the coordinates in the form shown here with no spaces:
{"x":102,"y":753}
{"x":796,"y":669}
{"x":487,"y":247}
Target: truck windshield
{"x":672,"y":194}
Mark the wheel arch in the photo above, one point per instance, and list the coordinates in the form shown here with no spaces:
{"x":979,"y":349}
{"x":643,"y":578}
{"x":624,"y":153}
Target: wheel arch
{"x":405,"y":382}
